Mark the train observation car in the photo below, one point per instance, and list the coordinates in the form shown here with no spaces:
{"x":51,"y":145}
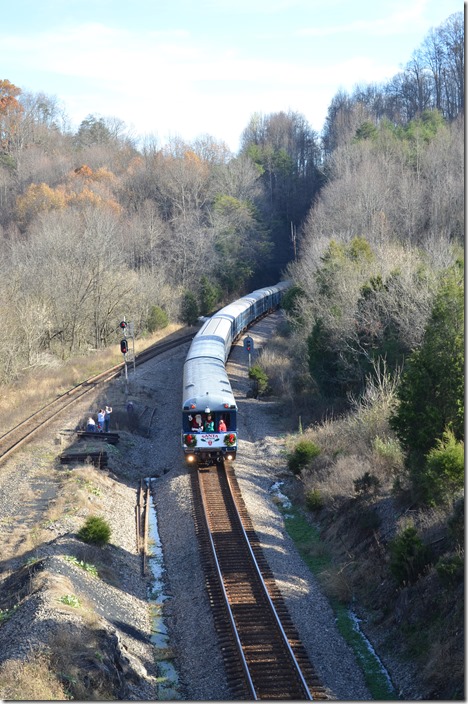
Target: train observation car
{"x":209,"y":410}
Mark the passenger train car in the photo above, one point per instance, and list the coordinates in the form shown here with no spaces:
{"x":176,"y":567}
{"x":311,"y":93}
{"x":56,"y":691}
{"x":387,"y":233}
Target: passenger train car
{"x":209,"y":410}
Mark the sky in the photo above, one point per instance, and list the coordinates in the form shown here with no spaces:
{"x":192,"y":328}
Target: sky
{"x":187,"y":68}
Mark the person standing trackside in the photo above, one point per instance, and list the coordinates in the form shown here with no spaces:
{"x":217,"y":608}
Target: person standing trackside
{"x":107,"y":413}
{"x":100,"y":420}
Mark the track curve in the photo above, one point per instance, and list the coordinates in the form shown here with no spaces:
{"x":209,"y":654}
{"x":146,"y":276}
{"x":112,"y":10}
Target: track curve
{"x":24,"y":431}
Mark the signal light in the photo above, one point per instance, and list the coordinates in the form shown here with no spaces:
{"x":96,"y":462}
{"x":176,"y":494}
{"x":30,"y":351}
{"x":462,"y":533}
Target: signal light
{"x":123,"y":325}
{"x":124,"y":346}
{"x":248,"y":345}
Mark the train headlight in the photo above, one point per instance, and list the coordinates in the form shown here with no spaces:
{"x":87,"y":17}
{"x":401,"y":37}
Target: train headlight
{"x":190,"y":458}
{"x":230,"y":457}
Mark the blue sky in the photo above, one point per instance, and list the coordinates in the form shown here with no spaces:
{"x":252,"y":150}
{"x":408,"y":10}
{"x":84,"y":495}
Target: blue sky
{"x":183,"y":68}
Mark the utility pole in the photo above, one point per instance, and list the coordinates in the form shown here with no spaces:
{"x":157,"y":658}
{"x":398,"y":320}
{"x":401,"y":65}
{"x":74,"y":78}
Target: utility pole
{"x":294,"y":238}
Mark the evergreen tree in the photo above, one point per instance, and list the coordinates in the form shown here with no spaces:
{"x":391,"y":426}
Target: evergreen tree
{"x":431,"y":394}
{"x":189,"y":309}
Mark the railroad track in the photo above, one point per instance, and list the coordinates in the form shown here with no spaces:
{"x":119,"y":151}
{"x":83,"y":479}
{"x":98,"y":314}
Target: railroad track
{"x":24,"y":431}
{"x":263,"y":655}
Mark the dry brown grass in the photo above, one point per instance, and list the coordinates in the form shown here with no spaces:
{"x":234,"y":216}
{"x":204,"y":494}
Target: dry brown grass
{"x":337,"y":483}
{"x":81,"y":659}
{"x":278,"y":367}
{"x":40,"y":385}
{"x":337,"y":583}
{"x":32,"y":680}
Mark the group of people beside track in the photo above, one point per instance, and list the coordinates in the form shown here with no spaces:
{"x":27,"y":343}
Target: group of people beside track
{"x":103,"y":421}
{"x":206,"y":425}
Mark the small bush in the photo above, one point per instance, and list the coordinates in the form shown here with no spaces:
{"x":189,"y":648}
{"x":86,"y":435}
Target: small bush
{"x":304,"y":452}
{"x":408,"y":556}
{"x":70,"y":600}
{"x":96,"y":531}
{"x":444,"y":473}
{"x":390,"y":451}
{"x":451,"y":570}
{"x":157,"y":319}
{"x":314,"y":500}
{"x":260,"y":378}
{"x":366,"y":485}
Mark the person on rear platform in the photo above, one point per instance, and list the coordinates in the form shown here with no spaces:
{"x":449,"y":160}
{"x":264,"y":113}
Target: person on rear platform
{"x":209,"y":423}
{"x":196,"y":424}
{"x":91,"y":425}
{"x":222,"y":426}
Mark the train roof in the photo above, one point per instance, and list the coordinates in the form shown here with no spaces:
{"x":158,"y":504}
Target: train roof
{"x":208,"y":346}
{"x":216,"y":326}
{"x":233,"y":309}
{"x":206,"y":383}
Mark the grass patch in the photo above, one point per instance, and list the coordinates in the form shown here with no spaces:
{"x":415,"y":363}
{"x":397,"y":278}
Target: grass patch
{"x":86,"y":566}
{"x":306,"y":537}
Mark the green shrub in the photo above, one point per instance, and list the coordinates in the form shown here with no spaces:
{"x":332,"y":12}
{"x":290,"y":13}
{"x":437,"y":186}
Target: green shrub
{"x":314,"y":500}
{"x":451,"y":570}
{"x":304,"y":452}
{"x":96,"y":530}
{"x":157,"y":319}
{"x":260,"y":378}
{"x":389,"y":450}
{"x":444,"y":472}
{"x":408,"y":556}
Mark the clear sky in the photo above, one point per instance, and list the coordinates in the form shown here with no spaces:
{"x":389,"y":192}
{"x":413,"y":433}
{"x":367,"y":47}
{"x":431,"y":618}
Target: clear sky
{"x":185,"y":68}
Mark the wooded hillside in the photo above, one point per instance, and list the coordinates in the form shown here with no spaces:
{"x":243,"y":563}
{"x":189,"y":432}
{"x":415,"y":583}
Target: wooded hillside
{"x":95,"y":225}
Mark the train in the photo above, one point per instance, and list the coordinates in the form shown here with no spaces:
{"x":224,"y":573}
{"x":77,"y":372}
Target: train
{"x":209,"y":409}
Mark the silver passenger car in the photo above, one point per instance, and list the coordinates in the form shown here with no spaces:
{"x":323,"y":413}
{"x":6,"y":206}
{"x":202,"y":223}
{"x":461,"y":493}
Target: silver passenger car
{"x":209,"y":409}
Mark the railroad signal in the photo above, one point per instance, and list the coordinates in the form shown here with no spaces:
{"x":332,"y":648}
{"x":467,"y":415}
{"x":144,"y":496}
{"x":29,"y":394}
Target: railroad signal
{"x":123,"y":325}
{"x":124,"y":346}
{"x":248,"y":344}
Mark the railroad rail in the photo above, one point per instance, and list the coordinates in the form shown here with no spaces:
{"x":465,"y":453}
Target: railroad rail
{"x":24,"y":431}
{"x":263,"y":655}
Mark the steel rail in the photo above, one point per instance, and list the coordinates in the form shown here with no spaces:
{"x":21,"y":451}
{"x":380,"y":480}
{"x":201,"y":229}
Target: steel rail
{"x":252,"y":637}
{"x":245,"y":667}
{"x":272,"y":606}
